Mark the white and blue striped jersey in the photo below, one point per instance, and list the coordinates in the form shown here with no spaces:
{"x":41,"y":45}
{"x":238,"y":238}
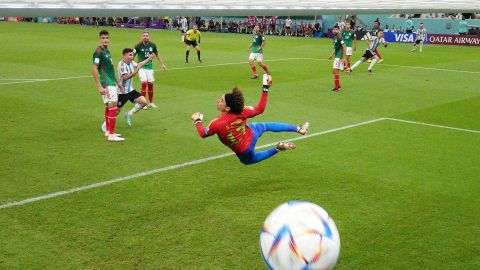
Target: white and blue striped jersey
{"x":375,"y":42}
{"x":122,"y":69}
{"x":421,"y":34}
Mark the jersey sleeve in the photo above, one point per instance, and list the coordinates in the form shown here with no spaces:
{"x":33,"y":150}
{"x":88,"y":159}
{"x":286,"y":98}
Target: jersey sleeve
{"x":250,"y":111}
{"x":135,"y":49}
{"x":210,"y":130}
{"x":122,"y":68}
{"x":96,"y":57}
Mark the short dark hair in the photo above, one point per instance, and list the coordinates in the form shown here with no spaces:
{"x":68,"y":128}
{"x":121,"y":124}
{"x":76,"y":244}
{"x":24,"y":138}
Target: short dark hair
{"x":235,"y":100}
{"x":145,"y":31}
{"x":127,"y":50}
{"x":336,"y":26}
{"x":103,"y":33}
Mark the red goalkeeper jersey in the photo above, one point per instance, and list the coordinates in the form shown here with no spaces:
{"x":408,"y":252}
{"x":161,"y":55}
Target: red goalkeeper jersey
{"x":232,"y":129}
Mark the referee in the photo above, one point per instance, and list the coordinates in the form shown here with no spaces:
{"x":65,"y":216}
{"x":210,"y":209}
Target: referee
{"x":192,"y":38}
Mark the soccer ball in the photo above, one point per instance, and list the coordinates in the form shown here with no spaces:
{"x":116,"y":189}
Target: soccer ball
{"x":299,"y":235}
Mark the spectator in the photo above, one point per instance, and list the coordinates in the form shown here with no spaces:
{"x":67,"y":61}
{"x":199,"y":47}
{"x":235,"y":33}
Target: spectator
{"x":462,"y":27}
{"x":341,"y":23}
{"x":408,"y":25}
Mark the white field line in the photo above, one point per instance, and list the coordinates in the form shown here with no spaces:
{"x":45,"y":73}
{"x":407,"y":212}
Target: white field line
{"x":433,"y":125}
{"x":239,"y":63}
{"x":168,"y":168}
{"x":414,"y":67}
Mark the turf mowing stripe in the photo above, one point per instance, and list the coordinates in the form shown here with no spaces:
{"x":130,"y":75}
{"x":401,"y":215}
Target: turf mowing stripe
{"x":168,"y":168}
{"x":433,"y":125}
{"x":239,"y":63}
{"x":178,"y":68}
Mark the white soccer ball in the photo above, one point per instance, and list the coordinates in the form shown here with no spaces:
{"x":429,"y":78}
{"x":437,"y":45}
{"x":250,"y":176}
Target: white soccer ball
{"x":299,"y":235}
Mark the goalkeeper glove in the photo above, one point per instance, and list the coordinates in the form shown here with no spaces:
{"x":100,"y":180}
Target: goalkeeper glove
{"x":267,"y":82}
{"x":197,"y":117}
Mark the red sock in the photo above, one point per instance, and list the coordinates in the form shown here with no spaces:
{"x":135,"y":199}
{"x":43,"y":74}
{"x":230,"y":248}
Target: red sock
{"x":337,"y":80}
{"x":254,"y":69}
{"x":379,"y":56}
{"x":106,"y":118}
{"x":266,"y":69}
{"x":348,"y":63}
{"x":150,"y":92}
{"x":144,"y":88}
{"x":112,"y":116}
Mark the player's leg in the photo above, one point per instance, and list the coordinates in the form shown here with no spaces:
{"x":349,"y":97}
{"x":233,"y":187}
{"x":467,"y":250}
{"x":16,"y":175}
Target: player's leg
{"x":143,"y":79}
{"x":251,"y":60}
{"x":365,"y":56}
{"x":414,"y":45}
{"x":375,"y":59}
{"x":421,"y":45}
{"x":187,"y":52}
{"x":197,"y":47}
{"x":112,"y":112}
{"x":139,"y":103}
{"x":380,"y":59}
{"x":348,"y":53}
{"x":261,"y":64}
{"x":150,"y":81}
{"x":337,"y":66}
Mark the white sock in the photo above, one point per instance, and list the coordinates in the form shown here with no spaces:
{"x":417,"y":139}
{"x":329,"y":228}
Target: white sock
{"x":135,"y":109}
{"x":356,"y":64}
{"x":421,"y":47}
{"x":374,"y":61}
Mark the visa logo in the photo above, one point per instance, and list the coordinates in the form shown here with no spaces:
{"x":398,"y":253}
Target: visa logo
{"x":404,"y":38}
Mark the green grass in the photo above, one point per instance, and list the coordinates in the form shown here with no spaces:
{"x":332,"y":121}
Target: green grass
{"x":403,"y":196}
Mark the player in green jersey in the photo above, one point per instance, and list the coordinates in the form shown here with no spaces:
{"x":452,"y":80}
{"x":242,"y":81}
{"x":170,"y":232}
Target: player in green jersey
{"x":349,"y":37}
{"x":143,"y":49}
{"x":104,"y":76}
{"x":256,"y":51}
{"x":339,"y":52}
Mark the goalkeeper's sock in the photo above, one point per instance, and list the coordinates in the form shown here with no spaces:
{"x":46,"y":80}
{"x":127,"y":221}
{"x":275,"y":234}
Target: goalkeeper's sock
{"x":198,"y":54}
{"x":186,"y":55}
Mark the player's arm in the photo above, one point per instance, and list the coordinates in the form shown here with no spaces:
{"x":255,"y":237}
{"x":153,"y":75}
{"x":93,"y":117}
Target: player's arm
{"x":263,"y":44}
{"x":354,"y":42}
{"x":159,"y":58}
{"x":250,"y":111}
{"x":96,"y":78}
{"x":204,"y":132}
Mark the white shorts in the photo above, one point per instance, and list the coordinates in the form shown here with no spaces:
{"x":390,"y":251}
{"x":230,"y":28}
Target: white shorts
{"x":256,"y":56}
{"x":349,"y":51}
{"x":146,"y":75}
{"x":111,"y":95}
{"x":338,"y":63}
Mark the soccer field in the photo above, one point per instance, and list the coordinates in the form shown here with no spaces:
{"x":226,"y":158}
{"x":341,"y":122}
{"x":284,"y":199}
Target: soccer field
{"x":393,"y":157}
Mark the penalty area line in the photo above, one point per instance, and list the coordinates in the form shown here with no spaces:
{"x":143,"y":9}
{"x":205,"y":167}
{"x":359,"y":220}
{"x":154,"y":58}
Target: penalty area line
{"x":168,"y":168}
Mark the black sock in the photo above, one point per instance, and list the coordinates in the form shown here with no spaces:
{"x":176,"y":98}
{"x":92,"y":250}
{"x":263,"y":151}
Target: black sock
{"x":186,"y":55}
{"x":198,"y":54}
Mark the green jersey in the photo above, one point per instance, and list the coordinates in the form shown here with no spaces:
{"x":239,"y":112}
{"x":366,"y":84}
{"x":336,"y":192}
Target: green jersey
{"x":103,"y":59}
{"x":337,"y":45}
{"x":143,"y":51}
{"x":348,"y":37}
{"x":257,"y":41}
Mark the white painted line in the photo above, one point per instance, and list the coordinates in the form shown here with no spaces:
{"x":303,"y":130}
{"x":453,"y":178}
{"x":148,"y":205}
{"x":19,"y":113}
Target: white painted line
{"x":414,"y":67}
{"x":433,"y":125}
{"x":436,"y":69}
{"x":46,"y":80}
{"x":168,"y":168}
